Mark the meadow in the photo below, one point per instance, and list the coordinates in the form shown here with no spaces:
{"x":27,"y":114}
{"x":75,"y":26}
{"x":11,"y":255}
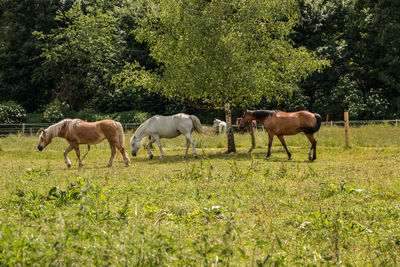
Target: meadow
{"x":219,"y":209}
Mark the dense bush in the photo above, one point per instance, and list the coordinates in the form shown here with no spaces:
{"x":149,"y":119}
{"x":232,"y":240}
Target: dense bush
{"x":34,"y":118}
{"x":87,"y":114}
{"x":132,"y":116}
{"x":56,"y":111}
{"x":11,"y":112}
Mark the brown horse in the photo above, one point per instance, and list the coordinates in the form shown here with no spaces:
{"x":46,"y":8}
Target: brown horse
{"x":78,"y":132}
{"x":281,"y":123}
{"x":245,"y":129}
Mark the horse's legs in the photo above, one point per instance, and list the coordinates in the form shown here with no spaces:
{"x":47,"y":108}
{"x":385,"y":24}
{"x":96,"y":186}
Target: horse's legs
{"x":270,"y":139}
{"x":124,"y":156}
{"x":66,"y":159}
{"x":187,"y":148}
{"x":190,"y":140}
{"x":313,"y":147}
{"x":149,"y":146}
{"x":157,"y":138}
{"x":78,"y":154}
{"x":280,"y":137}
{"x":112,"y":147}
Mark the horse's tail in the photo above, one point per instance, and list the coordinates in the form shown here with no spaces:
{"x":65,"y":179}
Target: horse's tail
{"x":197,"y":125}
{"x":311,"y":130}
{"x":121,"y":137}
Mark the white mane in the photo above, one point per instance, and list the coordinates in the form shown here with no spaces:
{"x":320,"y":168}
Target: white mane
{"x":53,"y":130}
{"x":139,"y":130}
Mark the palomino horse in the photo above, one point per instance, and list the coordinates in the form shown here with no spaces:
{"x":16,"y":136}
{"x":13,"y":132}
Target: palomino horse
{"x":78,"y":132}
{"x":220,"y":126}
{"x":281,"y":123}
{"x":167,"y":127}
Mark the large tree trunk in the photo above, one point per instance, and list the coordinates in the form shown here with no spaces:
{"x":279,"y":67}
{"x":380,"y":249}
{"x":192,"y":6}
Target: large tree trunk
{"x":229,"y":130}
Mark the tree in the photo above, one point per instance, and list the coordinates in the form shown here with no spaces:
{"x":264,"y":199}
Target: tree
{"x":83,"y":54}
{"x":360,"y":38}
{"x":20,"y":51}
{"x":225,"y":53}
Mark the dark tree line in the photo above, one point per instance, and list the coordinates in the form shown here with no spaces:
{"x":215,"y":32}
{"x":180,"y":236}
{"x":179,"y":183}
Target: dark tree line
{"x":71,"y":50}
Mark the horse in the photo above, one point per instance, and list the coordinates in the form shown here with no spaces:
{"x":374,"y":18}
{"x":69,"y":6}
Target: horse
{"x":281,"y":123}
{"x":246,"y":129}
{"x":220,"y":126}
{"x":77,"y":132}
{"x":159,"y":126}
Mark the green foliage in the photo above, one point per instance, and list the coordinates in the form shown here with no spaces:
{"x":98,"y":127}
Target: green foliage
{"x":221,"y":52}
{"x":34,"y":118}
{"x":56,"y":111}
{"x":87,"y":114}
{"x":20,"y":51}
{"x":11,"y":112}
{"x":359,"y":38}
{"x":84,"y":53}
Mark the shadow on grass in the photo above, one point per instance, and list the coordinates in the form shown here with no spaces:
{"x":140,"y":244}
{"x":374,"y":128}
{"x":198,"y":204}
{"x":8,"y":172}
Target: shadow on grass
{"x":239,"y":156}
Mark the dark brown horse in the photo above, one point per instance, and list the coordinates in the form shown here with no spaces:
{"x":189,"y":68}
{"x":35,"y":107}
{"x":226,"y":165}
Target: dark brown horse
{"x":281,"y":123}
{"x":78,"y":132}
{"x":246,"y":129}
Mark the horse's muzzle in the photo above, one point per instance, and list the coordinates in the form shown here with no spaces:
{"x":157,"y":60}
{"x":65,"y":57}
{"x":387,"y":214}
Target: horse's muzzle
{"x":40,"y":147}
{"x":134,"y":154}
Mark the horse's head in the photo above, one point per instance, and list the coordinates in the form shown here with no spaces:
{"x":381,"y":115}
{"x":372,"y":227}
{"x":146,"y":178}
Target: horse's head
{"x":44,"y":140}
{"x":135,"y":145}
{"x":245,"y":121}
{"x":216,"y":123}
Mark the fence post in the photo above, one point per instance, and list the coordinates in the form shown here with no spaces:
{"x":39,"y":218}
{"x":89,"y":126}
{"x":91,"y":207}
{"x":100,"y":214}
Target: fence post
{"x":23,"y":128}
{"x":30,"y":131}
{"x":346,"y":127}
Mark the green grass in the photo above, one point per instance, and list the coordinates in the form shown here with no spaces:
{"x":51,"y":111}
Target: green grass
{"x":219,"y":209}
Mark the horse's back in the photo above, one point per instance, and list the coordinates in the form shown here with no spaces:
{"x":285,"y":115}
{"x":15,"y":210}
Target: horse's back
{"x":291,"y":123}
{"x":95,"y":132}
{"x":169,"y":126}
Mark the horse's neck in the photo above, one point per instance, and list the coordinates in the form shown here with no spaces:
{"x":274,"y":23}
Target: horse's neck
{"x":57,"y":130}
{"x":258,"y":119}
{"x":141,"y":132}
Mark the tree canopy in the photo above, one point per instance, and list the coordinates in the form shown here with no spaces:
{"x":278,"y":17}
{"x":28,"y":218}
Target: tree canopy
{"x":224,"y":53}
{"x":75,"y":51}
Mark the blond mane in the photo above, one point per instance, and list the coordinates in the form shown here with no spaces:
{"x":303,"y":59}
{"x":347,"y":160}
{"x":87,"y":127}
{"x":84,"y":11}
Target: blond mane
{"x":54,"y":130}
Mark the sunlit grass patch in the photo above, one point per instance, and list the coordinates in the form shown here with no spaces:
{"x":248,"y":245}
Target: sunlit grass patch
{"x":227,"y":209}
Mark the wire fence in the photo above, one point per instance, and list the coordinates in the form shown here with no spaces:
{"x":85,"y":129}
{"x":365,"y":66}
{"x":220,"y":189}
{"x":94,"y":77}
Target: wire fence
{"x":34,"y":128}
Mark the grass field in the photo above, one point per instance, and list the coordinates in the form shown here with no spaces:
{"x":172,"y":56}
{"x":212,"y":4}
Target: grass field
{"x":219,"y":209}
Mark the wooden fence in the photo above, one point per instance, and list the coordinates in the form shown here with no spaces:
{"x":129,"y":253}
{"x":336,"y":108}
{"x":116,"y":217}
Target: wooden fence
{"x":34,"y":128}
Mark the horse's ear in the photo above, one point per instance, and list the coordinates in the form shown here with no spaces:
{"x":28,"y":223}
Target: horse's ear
{"x":43,"y":132}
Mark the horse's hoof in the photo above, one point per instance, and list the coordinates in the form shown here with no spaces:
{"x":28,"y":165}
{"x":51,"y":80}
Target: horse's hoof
{"x":151,"y":157}
{"x":266,"y":158}
{"x":195,"y":156}
{"x":68,"y":165}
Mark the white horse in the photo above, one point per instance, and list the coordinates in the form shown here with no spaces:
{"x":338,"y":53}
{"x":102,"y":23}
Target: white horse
{"x":167,"y":127}
{"x":221,"y":125}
